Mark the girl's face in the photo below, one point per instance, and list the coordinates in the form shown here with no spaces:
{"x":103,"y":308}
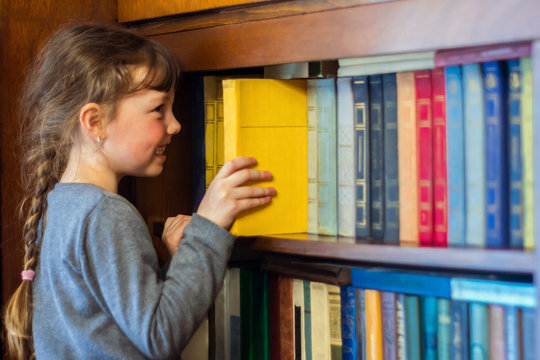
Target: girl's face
{"x":136,"y":137}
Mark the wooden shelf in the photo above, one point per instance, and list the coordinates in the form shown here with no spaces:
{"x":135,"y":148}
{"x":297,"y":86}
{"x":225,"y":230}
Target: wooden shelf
{"x":466,"y":259}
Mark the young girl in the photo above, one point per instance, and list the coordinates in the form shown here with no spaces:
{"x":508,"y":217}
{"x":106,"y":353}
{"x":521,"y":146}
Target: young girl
{"x":97,"y":107}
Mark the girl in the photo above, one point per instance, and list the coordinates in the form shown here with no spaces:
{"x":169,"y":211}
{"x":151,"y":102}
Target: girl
{"x":98,"y":106}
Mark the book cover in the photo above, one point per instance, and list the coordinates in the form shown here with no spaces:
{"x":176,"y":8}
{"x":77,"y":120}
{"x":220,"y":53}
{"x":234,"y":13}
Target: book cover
{"x":528,"y":326}
{"x":299,"y":319}
{"x":312,"y":158}
{"x":327,"y":152}
{"x":443,"y":328}
{"x":482,"y":53}
{"x":373,"y":325}
{"x":497,"y":332}
{"x":346,"y":186}
{"x":307,"y":319}
{"x":515,"y":160}
{"x":391,"y":174}
{"x":479,"y":331}
{"x":455,"y":160}
{"x":424,"y":153}
{"x":362,"y":155}
{"x":459,"y":330}
{"x":389,"y":327}
{"x":527,"y":150}
{"x":376,"y":135}
{"x":412,"y":323}
{"x":513,"y":334}
{"x":267,"y":119}
{"x":440,"y":178}
{"x":475,"y":159}
{"x":407,"y":159}
{"x":496,"y":123}
{"x":401,"y":328}
{"x":428,"y":327}
{"x":334,"y":320}
{"x":348,"y":327}
{"x":320,"y":321}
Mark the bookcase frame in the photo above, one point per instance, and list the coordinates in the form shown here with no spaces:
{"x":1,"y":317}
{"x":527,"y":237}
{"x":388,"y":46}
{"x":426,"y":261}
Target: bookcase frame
{"x":294,"y":31}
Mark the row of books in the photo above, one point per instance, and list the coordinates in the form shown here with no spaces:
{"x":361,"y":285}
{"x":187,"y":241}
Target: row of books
{"x":265,"y":316}
{"x":439,"y":157}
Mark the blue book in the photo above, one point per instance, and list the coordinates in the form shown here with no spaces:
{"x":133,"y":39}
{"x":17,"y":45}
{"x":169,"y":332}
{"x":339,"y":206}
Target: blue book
{"x":376,"y":135}
{"x":455,"y":160}
{"x":513,"y":348}
{"x":388,"y":314}
{"x":327,"y":150}
{"x":360,"y":300}
{"x":494,"y":292}
{"x":479,"y":331}
{"x":198,"y":142}
{"x":412,"y":324}
{"x":475,"y":161}
{"x":528,"y":331}
{"x":391,"y":172}
{"x":307,"y":319}
{"x":515,"y":159}
{"x":408,"y":283}
{"x":348,"y":326}
{"x":459,"y":330}
{"x":362,"y":155}
{"x":428,"y":326}
{"x":496,"y":120}
{"x":443,"y":329}
{"x":401,"y":328}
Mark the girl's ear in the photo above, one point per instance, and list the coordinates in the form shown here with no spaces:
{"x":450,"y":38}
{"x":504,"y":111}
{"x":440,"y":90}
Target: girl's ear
{"x":92,"y":120}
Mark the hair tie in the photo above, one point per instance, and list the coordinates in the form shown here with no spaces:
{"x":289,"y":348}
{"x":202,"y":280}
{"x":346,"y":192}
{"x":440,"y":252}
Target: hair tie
{"x":28,"y":275}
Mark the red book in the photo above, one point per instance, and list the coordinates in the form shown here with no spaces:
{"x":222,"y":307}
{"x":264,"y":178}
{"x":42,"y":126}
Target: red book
{"x":424,"y":128}
{"x":440,"y":179}
{"x":281,"y":318}
{"x":482,"y":53}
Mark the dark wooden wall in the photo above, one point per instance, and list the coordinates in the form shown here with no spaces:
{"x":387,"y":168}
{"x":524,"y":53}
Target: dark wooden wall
{"x":24,"y":24}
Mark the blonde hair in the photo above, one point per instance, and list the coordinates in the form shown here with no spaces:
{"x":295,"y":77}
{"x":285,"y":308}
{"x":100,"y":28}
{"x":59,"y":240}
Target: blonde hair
{"x":82,"y":62}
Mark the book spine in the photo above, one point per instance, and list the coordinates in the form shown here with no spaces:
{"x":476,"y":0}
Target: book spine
{"x":527,"y":132}
{"x":496,"y":167}
{"x":391,"y":175}
{"x":373,"y":325}
{"x":376,"y":135}
{"x":443,"y":329}
{"x":307,"y":318}
{"x":412,"y":318}
{"x":334,"y":320}
{"x":286,"y":321}
{"x":360,"y":321}
{"x":479,"y":331}
{"x":260,"y":316}
{"x":475,"y":177}
{"x":459,"y":330}
{"x":482,"y":53}
{"x":407,"y":160}
{"x":274,"y":326}
{"x":246,"y":315}
{"x":312,"y":158}
{"x":299,"y":319}
{"x":513,"y":332}
{"x":515,"y":160}
{"x":401,"y":328}
{"x":327,"y":151}
{"x":348,"y":326}
{"x":494,"y":292}
{"x":424,"y":153}
{"x":388,"y":300}
{"x":234,"y":305}
{"x":320,"y":326}
{"x":429,"y":327}
{"x":361,"y":147}
{"x":440,"y":182}
{"x":528,"y":323}
{"x":497,"y":332}
{"x":455,"y":132}
{"x":346,"y":196}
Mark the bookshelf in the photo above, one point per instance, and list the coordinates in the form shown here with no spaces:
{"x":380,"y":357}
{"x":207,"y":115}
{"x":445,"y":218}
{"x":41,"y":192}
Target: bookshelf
{"x":294,"y":31}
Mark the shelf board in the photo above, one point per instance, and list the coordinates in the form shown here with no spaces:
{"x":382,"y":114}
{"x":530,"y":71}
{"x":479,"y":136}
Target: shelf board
{"x":466,"y":259}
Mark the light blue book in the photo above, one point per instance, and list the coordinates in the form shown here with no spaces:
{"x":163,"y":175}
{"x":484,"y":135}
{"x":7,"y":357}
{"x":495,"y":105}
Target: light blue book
{"x":312,"y":158}
{"x":528,"y":323}
{"x":389,"y":326}
{"x":459,"y":330}
{"x":359,"y":296}
{"x":479,"y":331}
{"x":513,"y":348}
{"x":412,"y":323}
{"x":401,"y":327}
{"x":377,"y":155}
{"x":455,"y":161}
{"x":327,"y":149}
{"x":346,"y":187}
{"x":494,"y":292}
{"x":429,"y":326}
{"x":443,"y":329}
{"x":475,"y":161}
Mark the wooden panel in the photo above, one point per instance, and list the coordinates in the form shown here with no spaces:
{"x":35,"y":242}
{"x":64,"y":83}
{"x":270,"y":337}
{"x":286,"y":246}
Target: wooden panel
{"x":130,"y":10}
{"x":382,"y":28}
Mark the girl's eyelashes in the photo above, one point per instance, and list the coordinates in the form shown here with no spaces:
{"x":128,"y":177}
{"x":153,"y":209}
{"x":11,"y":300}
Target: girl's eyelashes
{"x":159,"y":109}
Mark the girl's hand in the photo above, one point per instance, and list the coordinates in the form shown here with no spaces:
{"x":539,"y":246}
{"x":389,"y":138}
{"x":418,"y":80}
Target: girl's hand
{"x":227,"y":196}
{"x":173,"y":231}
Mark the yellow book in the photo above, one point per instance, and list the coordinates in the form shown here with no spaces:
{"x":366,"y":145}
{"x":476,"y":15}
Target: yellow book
{"x":374,"y":347}
{"x":407,"y":160}
{"x":527,"y":148}
{"x":213,"y":129}
{"x":267,"y":119}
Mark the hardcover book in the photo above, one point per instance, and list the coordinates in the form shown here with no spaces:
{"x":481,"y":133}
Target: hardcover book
{"x":389,"y":327}
{"x":444,"y":325}
{"x":373,"y":325}
{"x":429,"y":326}
{"x":312,"y":158}
{"x":376,"y":135}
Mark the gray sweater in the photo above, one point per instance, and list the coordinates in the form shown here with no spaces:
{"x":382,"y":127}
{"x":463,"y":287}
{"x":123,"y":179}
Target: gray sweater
{"x":99,"y":292}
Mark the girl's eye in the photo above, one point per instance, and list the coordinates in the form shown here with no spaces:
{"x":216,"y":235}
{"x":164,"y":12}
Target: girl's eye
{"x":159,"y":109}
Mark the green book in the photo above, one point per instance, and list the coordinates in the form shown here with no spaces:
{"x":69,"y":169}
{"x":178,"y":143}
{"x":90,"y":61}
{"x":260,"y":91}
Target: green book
{"x":443,"y":329}
{"x":479,"y":331}
{"x":412,"y":325}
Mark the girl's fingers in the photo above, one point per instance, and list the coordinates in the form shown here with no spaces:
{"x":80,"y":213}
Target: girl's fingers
{"x":249,"y":192}
{"x":232,"y":166}
{"x":243,"y":176}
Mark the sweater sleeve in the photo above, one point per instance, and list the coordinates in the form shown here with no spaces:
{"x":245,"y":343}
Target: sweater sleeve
{"x":158,"y":315}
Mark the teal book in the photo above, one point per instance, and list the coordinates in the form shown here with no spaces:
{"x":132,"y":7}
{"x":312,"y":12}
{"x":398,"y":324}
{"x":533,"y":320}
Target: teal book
{"x":479,"y":331}
{"x":455,"y":161}
{"x":327,"y":152}
{"x":376,"y":134}
{"x":443,"y":329}
{"x":429,"y":326}
{"x":412,"y":326}
{"x":307,"y":319}
{"x":401,"y":327}
{"x":494,"y":292}
{"x":388,"y":312}
{"x":459,"y":330}
{"x":475,"y":159}
{"x":512,"y":335}
{"x":362,"y":155}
